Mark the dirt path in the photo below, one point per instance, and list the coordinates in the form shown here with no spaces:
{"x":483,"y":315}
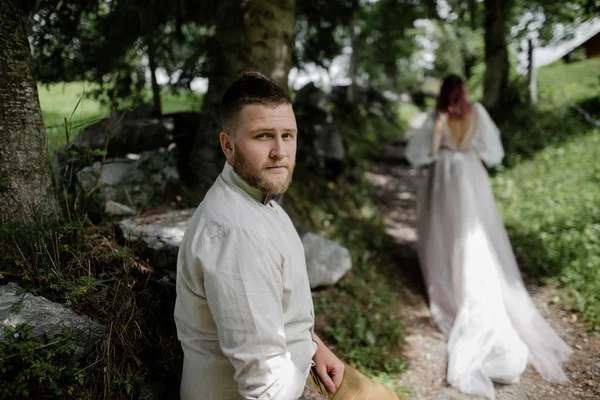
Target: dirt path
{"x":425,"y":349}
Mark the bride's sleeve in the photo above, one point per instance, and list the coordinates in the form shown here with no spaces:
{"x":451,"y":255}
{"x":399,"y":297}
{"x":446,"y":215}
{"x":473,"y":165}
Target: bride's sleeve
{"x":420,"y":144}
{"x":487,"y":138}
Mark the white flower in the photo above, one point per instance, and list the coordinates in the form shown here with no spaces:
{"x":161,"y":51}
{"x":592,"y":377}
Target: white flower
{"x":16,"y":335}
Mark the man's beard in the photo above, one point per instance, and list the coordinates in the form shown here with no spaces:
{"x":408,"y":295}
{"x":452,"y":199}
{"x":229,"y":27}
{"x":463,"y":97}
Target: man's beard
{"x":254,"y":177}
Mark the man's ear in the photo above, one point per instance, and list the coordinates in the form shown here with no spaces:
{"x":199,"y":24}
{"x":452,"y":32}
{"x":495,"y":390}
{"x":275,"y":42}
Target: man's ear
{"x":226,"y":145}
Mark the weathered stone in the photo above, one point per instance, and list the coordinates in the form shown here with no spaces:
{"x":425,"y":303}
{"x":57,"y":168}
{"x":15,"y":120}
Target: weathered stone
{"x":44,"y":316}
{"x":326,"y":261}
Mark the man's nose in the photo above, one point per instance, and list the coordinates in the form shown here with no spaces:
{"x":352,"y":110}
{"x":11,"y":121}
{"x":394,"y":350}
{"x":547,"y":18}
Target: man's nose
{"x":278,"y":150}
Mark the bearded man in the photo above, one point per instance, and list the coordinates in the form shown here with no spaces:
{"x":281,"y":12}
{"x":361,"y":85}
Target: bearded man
{"x":244,"y":311}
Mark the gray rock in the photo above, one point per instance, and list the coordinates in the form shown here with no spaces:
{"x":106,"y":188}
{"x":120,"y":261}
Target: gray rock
{"x":118,"y":209}
{"x":45,"y":316}
{"x":326,"y":261}
{"x":135,"y":182}
{"x":113,"y":172}
{"x":159,"y":234}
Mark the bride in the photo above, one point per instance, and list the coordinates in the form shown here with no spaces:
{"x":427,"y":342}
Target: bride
{"x":476,"y":293}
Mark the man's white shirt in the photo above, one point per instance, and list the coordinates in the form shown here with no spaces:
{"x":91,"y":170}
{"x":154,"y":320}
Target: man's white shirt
{"x":244,"y":310}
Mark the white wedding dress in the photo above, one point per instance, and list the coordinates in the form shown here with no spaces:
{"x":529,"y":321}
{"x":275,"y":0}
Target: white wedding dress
{"x":476,"y":293}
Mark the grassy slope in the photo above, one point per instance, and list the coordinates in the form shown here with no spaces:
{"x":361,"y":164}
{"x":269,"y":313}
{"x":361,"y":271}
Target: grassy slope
{"x":550,"y":199}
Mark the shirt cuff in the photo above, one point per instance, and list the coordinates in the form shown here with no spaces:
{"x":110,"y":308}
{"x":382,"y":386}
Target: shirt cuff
{"x":289,"y":385}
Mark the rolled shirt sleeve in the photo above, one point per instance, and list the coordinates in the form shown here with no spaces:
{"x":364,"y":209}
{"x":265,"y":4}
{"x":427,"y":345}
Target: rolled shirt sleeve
{"x":244,"y":288}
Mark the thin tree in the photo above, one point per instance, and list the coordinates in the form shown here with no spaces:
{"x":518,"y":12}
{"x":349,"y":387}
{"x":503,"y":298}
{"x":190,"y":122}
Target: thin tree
{"x":496,"y":53}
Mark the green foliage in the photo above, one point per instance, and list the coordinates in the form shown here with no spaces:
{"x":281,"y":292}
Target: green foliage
{"x":106,"y":42}
{"x":383,"y":41}
{"x":81,"y":266}
{"x":550,"y":205}
{"x":320,"y":29}
{"x":459,"y":51}
{"x":38,"y":367}
{"x":549,"y":196}
{"x":555,"y":120}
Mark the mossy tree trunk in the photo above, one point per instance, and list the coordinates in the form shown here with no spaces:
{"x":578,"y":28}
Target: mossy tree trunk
{"x":27,"y":192}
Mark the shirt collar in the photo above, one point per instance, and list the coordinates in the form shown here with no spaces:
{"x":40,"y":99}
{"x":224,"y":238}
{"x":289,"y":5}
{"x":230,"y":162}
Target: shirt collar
{"x":230,"y":176}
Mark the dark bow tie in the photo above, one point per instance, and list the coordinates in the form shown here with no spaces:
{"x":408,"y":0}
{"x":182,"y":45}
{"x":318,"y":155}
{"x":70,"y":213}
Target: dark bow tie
{"x":269,"y":197}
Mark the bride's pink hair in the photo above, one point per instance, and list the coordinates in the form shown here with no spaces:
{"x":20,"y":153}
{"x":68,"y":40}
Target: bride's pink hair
{"x":453,"y":98}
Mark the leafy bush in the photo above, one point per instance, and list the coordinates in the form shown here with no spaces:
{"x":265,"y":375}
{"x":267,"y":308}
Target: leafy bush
{"x":38,"y":367}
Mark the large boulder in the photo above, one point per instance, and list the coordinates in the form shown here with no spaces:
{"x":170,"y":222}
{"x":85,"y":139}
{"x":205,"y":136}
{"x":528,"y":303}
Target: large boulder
{"x":326,"y":261}
{"x":44,"y":316}
{"x":126,"y":132}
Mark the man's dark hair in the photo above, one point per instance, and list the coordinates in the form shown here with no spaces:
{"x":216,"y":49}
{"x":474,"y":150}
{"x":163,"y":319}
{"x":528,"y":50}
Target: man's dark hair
{"x":250,"y":88}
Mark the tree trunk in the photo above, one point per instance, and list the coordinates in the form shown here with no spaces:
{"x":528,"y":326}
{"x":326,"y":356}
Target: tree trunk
{"x":251,"y":35}
{"x":157,"y":109}
{"x":354,"y":89}
{"x":27,"y":192}
{"x":474,"y":15}
{"x":531,"y":73}
{"x":496,"y":53}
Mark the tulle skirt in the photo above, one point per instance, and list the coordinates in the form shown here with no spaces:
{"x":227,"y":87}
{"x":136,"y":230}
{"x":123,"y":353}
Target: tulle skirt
{"x":476,"y":293}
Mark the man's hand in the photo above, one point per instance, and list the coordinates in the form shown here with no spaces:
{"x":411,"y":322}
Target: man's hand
{"x":329,"y":368}
{"x":311,"y":393}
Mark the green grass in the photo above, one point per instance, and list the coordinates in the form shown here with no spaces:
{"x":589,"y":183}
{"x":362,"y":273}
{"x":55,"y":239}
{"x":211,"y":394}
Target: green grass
{"x":550,"y":195}
{"x":70,"y":100}
{"x":560,"y":83}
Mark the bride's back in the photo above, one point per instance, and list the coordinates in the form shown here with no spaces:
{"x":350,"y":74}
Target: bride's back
{"x":459,"y":132}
